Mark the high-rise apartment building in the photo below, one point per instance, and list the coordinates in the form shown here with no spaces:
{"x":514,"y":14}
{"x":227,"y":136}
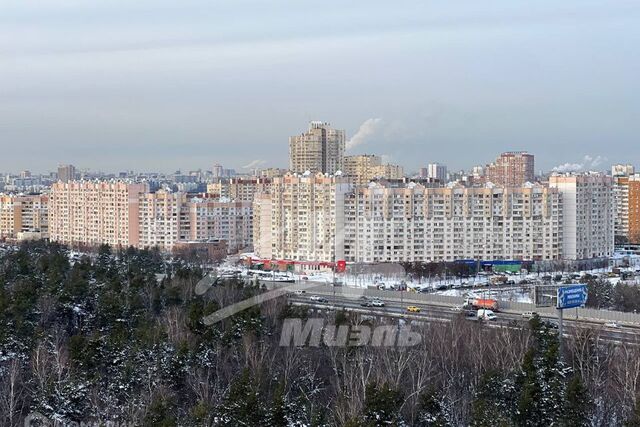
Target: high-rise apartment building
{"x":306,"y":218}
{"x":511,"y":169}
{"x":633,"y":208}
{"x":163,"y":219}
{"x":588,"y":218}
{"x":66,"y":173}
{"x":239,"y":189}
{"x":366,"y":167}
{"x":231,"y":221}
{"x":437,"y":171}
{"x":320,"y":149}
{"x":621,"y":207}
{"x":24,"y":216}
{"x":92,"y":213}
{"x":413,"y":223}
{"x":622,"y":170}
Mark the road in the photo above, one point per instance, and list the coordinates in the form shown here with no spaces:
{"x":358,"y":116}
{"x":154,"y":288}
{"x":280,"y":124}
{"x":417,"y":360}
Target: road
{"x":440,"y":313}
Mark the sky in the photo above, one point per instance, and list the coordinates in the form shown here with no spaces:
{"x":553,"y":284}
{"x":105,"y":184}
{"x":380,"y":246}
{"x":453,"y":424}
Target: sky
{"x":157,"y":85}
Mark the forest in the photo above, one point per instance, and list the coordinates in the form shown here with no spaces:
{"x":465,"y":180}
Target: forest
{"x":117,"y":337}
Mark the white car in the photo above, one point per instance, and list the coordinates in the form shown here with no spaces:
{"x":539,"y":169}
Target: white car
{"x":529,"y":314}
{"x":612,"y":325}
{"x":377,"y":303}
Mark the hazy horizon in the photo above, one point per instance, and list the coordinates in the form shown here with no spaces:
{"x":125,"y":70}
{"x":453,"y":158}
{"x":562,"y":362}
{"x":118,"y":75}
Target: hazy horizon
{"x":161,"y":86}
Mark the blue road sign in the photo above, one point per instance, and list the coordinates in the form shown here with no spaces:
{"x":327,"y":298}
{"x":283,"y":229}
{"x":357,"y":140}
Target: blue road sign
{"x":572,"y":296}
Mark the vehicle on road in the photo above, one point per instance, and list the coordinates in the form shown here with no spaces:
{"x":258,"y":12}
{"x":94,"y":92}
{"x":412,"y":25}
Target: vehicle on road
{"x":612,"y":325}
{"x":470,"y":315}
{"x":413,"y":309}
{"x":485,"y":303}
{"x":299,"y":292}
{"x":366,"y":303}
{"x":377,"y":303}
{"x":486,"y":315}
{"x":318,"y":298}
{"x":529,"y":314}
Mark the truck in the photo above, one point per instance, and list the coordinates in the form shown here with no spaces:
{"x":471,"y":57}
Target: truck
{"x":486,"y":315}
{"x":478,"y":303}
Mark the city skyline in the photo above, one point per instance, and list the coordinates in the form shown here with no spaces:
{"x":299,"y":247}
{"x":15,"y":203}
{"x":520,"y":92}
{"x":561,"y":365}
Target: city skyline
{"x":157,"y":86}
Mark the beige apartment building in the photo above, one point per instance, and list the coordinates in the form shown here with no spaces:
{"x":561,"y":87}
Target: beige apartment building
{"x":239,"y":189}
{"x":95,"y":212}
{"x":24,"y":216}
{"x":511,"y":169}
{"x":364,"y":168}
{"x":414,"y":223}
{"x":588,"y":217}
{"x":306,"y":219}
{"x":320,"y":149}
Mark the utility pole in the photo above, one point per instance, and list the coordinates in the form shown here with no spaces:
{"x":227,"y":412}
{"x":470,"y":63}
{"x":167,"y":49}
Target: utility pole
{"x":560,"y":331}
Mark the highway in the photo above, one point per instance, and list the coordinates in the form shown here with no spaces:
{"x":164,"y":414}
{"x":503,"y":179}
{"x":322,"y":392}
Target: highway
{"x":444,"y":314}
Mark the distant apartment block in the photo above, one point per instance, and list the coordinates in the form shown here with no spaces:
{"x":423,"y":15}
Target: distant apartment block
{"x":366,"y":167}
{"x":24,"y":217}
{"x":92,"y":213}
{"x":511,"y":169}
{"x":414,"y":223}
{"x":437,"y":171}
{"x":320,"y":149}
{"x":588,"y":217}
{"x":239,"y":189}
{"x":302,"y":218}
{"x":634,"y":208}
{"x":66,"y":173}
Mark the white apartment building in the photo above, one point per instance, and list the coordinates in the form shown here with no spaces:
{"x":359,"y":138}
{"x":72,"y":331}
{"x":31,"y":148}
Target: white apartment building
{"x":415,"y":223}
{"x":437,"y":171}
{"x":306,"y":218}
{"x":588,"y":218}
{"x":163,"y":219}
{"x":95,"y":212}
{"x":231,"y":221}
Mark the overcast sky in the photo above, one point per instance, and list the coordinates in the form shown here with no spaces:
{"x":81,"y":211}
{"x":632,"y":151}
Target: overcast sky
{"x":161,"y":85}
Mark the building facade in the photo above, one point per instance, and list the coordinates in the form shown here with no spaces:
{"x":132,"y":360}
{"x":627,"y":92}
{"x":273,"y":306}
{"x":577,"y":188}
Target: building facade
{"x":362,"y":169}
{"x":24,"y":216}
{"x":588,"y":217}
{"x":415,"y":223}
{"x":511,"y":169}
{"x":320,"y":149}
{"x":302,"y":218}
{"x":239,"y":189}
{"x":92,"y":212}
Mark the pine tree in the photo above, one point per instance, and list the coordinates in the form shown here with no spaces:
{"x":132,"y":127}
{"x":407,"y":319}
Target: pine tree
{"x":382,"y":405}
{"x":577,"y":405}
{"x":432,"y":412}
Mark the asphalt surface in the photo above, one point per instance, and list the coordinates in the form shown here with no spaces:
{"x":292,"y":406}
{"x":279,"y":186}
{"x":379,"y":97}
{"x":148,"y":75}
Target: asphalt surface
{"x":441,"y":313}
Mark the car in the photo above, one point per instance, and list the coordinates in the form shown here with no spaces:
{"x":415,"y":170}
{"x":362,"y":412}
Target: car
{"x":413,"y":309}
{"x":318,"y":298}
{"x":299,"y":292}
{"x":612,"y":325}
{"x":377,"y":303}
{"x":529,"y":314}
{"x":366,"y":303}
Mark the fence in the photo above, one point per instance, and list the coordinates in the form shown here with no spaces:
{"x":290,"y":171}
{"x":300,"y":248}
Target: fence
{"x":506,"y":306}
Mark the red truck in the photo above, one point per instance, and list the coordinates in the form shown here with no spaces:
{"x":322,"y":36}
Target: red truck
{"x":482,"y":303}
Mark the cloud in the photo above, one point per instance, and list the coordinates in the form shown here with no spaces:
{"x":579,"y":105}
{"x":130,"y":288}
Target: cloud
{"x":588,"y":162}
{"x":367,"y":129}
{"x":254,"y":164}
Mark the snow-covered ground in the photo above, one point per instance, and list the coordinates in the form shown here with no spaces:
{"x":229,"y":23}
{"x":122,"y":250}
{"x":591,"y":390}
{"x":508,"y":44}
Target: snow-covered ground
{"x":517,"y":290}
